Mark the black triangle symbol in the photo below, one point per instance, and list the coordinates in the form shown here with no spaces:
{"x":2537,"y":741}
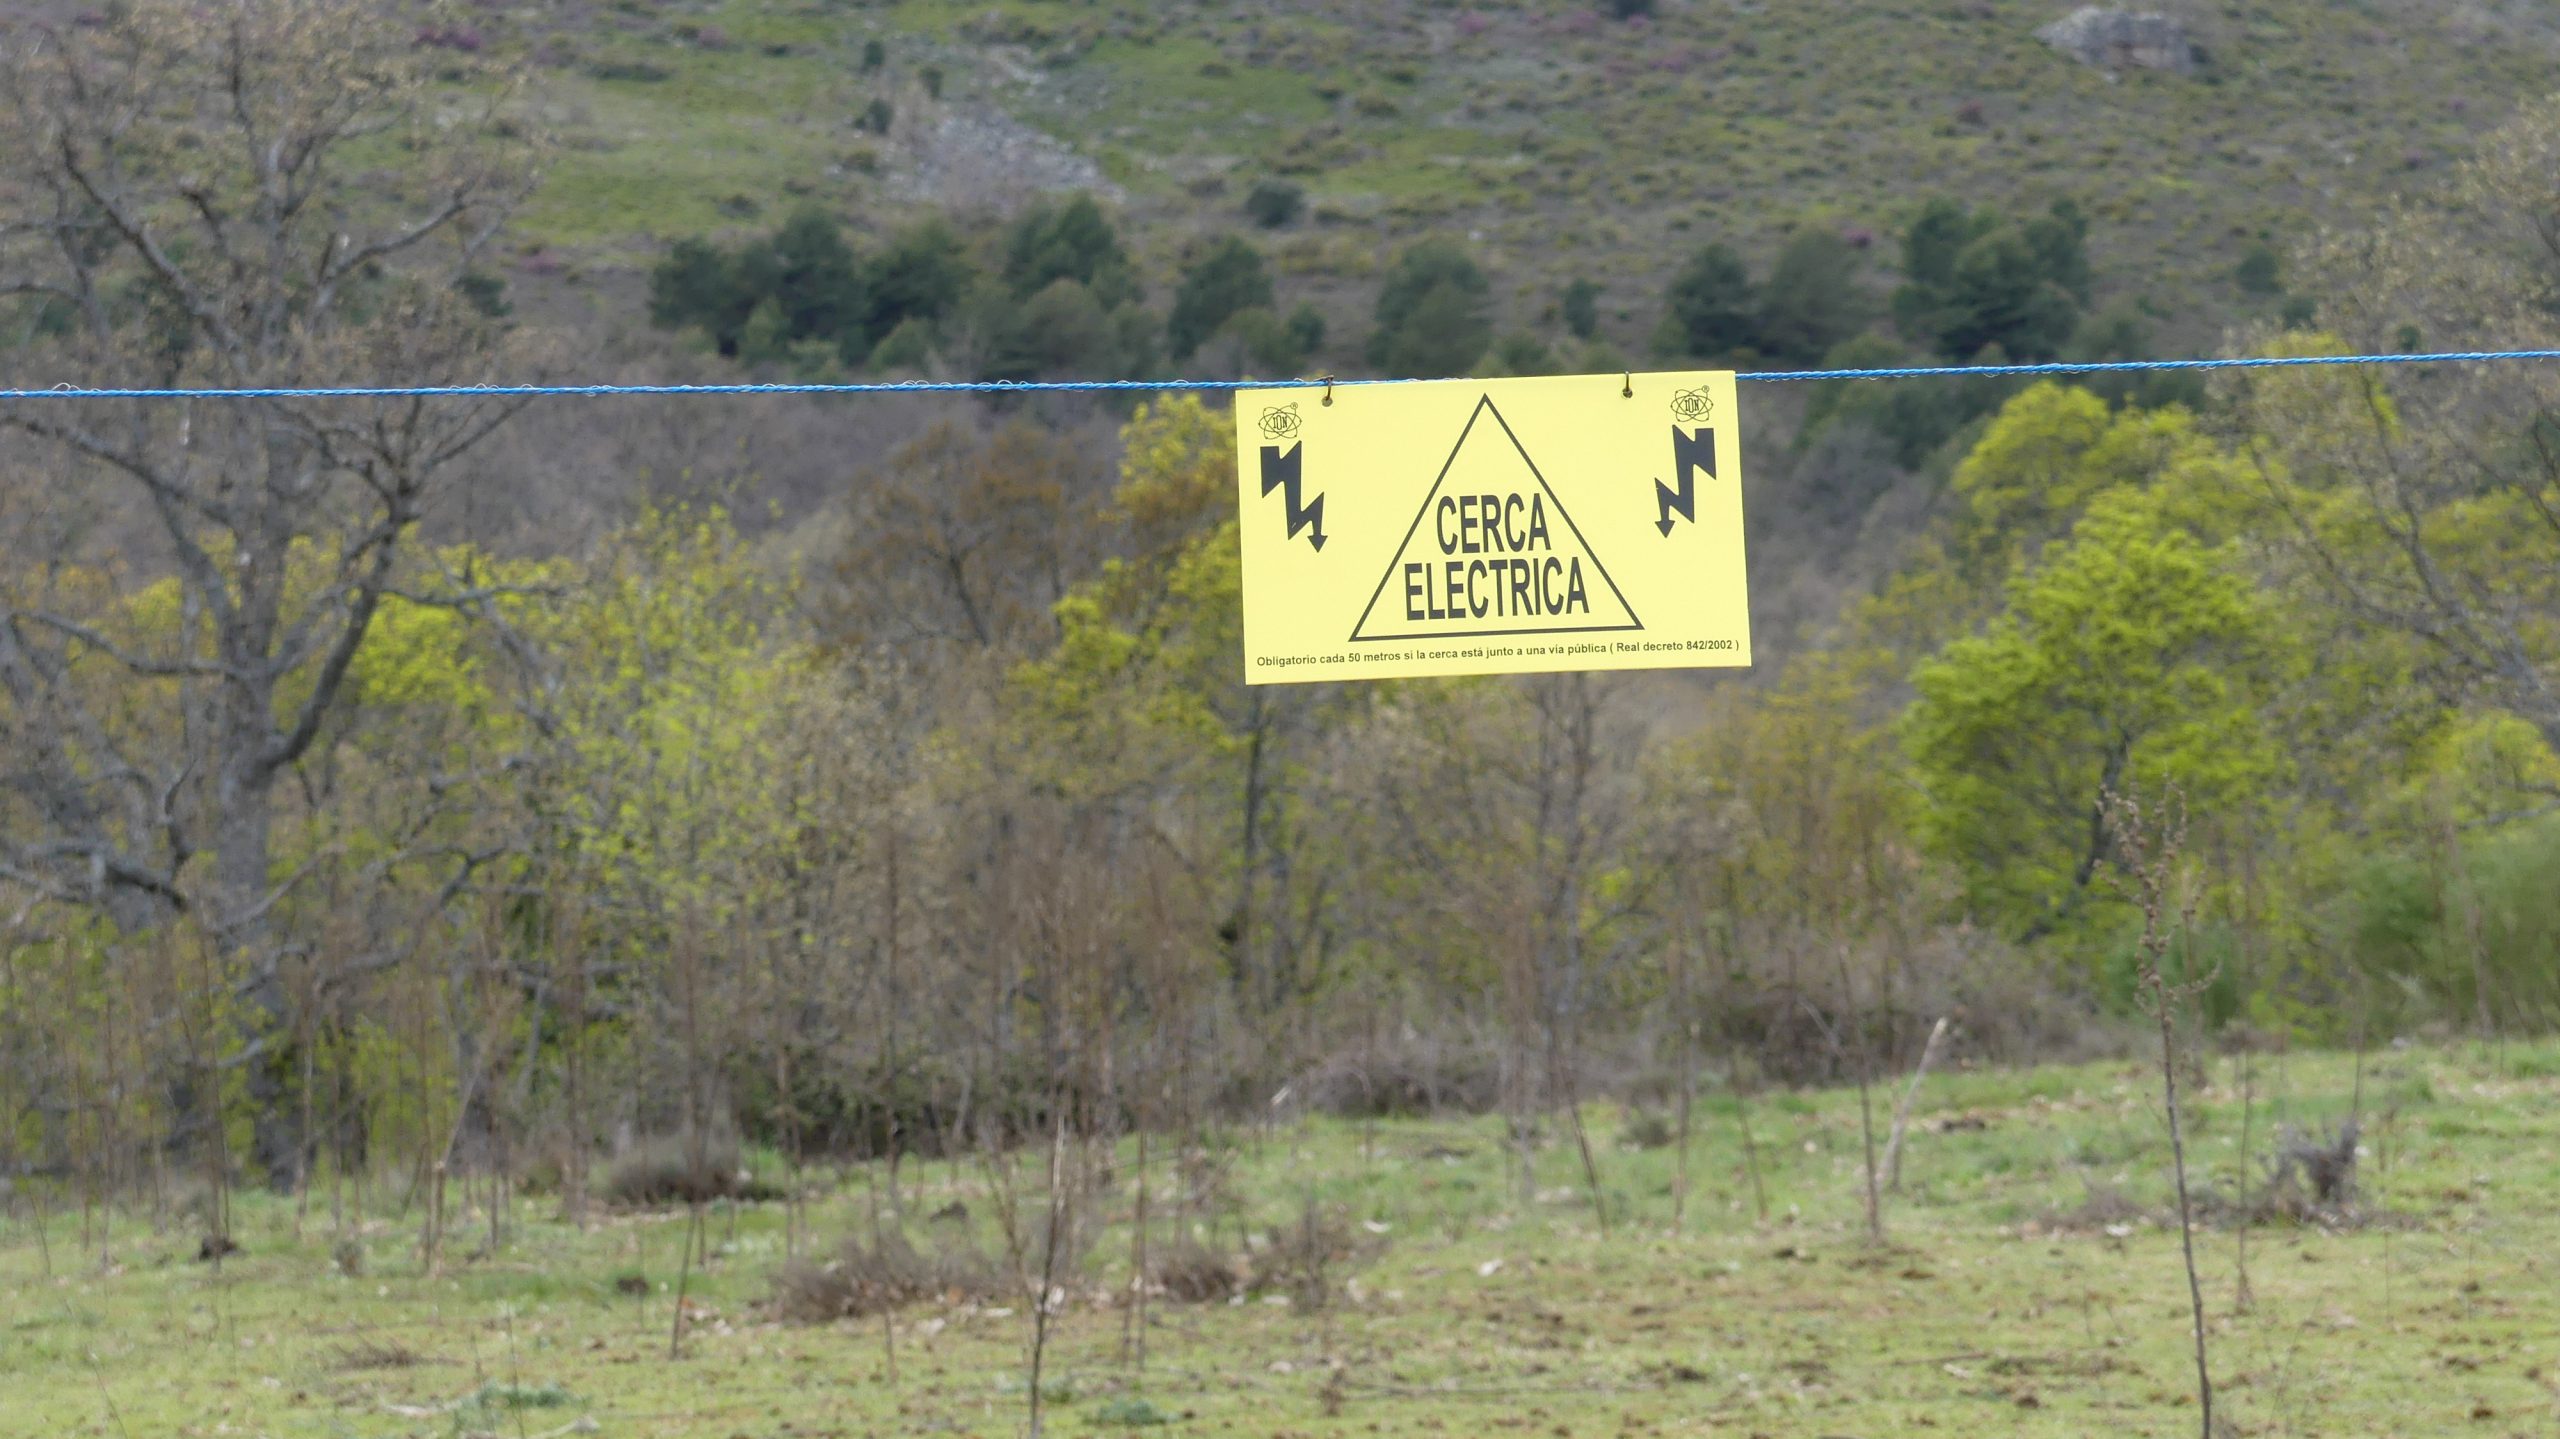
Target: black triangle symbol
{"x":1506,"y":625}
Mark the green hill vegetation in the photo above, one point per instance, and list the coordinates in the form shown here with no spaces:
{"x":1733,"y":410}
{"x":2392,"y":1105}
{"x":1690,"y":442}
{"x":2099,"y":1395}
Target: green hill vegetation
{"x":1561,"y":143}
{"x":419,"y":806}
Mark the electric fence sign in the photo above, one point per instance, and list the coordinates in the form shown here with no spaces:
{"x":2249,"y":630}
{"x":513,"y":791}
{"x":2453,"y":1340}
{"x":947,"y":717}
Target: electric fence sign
{"x":1459,"y":527}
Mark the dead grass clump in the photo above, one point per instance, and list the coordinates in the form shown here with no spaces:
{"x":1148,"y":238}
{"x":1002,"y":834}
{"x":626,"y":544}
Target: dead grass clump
{"x":2068,"y":1366}
{"x":2328,"y":1166}
{"x":863,"y":1280}
{"x":1188,"y":1272}
{"x":672,"y":1170}
{"x":381,"y":1354}
{"x":1409,"y":1077}
{"x":1645,"y":1129}
{"x":2310,"y":1182}
{"x":1306,"y":1258}
{"x":2104,"y":1206}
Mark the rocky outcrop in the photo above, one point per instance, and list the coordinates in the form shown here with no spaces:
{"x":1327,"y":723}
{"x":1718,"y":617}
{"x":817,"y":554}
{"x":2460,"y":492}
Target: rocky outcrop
{"x":2117,"y":39}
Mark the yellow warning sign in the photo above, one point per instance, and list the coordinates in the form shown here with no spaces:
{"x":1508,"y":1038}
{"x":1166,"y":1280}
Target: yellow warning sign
{"x":1492,"y":526}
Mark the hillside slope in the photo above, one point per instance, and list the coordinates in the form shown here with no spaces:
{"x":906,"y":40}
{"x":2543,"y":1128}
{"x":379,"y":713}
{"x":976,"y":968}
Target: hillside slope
{"x":1561,"y":143}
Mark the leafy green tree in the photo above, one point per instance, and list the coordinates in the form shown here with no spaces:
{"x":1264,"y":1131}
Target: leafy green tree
{"x":1917,"y":418}
{"x":801,"y":283}
{"x":922,"y":275}
{"x":1143,"y":691}
{"x":1262,"y":343}
{"x":2134,"y":657}
{"x":2120,"y":332}
{"x":766,"y":337}
{"x":1074,"y":241}
{"x":1710,"y":311}
{"x":1434,"y":313}
{"x":817,"y":281}
{"x":1229,"y":278}
{"x":486,"y":292}
{"x":1973,"y":280}
{"x":696,"y":286}
{"x":1063,"y":332}
{"x":1813,"y":300}
{"x":908,"y":347}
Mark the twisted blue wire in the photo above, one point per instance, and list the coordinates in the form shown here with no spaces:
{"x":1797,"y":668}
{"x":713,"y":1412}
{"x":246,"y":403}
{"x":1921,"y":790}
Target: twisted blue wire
{"x":1034,"y":387}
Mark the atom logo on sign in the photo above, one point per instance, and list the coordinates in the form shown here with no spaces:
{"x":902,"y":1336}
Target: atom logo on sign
{"x":1280,"y":423}
{"x":1691,"y":406}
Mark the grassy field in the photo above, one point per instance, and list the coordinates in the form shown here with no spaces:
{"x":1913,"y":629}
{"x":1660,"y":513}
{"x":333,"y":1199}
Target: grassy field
{"x":2005,"y":1301}
{"x":1560,"y":144}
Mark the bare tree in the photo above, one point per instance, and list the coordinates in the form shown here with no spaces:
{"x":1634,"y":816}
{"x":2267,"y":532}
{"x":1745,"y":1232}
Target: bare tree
{"x":2426,"y":499}
{"x":178,"y":202}
{"x":2148,"y":845}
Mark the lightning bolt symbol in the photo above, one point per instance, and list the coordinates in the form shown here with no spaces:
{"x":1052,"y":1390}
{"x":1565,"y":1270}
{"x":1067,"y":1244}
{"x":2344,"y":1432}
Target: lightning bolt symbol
{"x":1285,"y":472}
{"x":1692,"y":453}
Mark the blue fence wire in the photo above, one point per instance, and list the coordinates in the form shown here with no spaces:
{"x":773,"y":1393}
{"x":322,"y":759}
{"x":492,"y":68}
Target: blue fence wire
{"x":1037,"y":387}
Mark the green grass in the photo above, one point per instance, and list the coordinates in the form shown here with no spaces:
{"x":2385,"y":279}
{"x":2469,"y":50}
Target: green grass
{"x":1474,"y":1314}
{"x":1595,"y":150}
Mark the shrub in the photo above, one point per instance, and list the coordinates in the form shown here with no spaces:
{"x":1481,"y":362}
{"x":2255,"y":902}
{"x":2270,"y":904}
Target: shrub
{"x":640,"y":71}
{"x":1274,"y":203}
{"x":1228,"y":279}
{"x":2259,"y":272}
{"x":1302,"y":1258}
{"x":874,"y":54}
{"x":908,"y":347}
{"x":1306,"y":328}
{"x":485,"y":292}
{"x":695,"y":286}
{"x":1709,"y":310}
{"x":1188,"y":1272}
{"x":1432,"y":312}
{"x":1813,"y":300}
{"x":1582,"y":308}
{"x":1520,"y":353}
{"x":1645,"y":1129}
{"x":1262,"y":343}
